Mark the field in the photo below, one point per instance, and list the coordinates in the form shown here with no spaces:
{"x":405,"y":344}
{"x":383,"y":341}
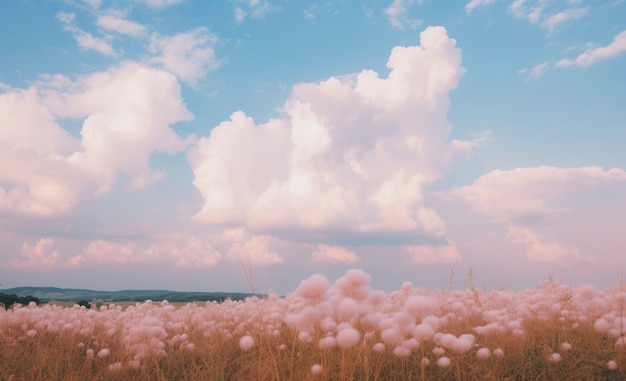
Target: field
{"x":328,"y":331}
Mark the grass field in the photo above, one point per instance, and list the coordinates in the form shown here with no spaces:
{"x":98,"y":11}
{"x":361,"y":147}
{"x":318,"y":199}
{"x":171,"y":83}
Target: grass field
{"x":324,"y":331}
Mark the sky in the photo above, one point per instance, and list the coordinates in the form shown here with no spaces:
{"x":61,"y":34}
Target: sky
{"x":247,"y":144}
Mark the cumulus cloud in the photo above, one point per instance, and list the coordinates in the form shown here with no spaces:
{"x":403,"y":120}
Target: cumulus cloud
{"x":397,"y":14}
{"x":187,"y":55}
{"x":126,"y":110}
{"x":352,"y":153}
{"x":85,"y":40}
{"x":334,"y":254}
{"x":247,"y":247}
{"x":41,"y":254}
{"x":540,"y":250}
{"x":256,"y":9}
{"x":425,"y":254}
{"x":526,"y":193}
{"x":116,"y":22}
{"x":477,"y":3}
{"x":597,"y":54}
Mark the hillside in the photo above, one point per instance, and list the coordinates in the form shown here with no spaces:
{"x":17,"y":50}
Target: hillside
{"x":46,"y":294}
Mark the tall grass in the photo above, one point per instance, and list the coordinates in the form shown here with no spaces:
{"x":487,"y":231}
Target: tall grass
{"x":343,"y":331}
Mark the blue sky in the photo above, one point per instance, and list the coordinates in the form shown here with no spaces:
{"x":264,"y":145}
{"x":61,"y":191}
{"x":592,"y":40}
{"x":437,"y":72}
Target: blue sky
{"x":164,"y":143}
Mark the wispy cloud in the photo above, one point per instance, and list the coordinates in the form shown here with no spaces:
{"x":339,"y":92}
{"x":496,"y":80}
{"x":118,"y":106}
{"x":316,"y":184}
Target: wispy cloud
{"x":597,"y":54}
{"x":117,"y":23}
{"x":85,"y":40}
{"x":397,"y":14}
{"x":473,"y":4}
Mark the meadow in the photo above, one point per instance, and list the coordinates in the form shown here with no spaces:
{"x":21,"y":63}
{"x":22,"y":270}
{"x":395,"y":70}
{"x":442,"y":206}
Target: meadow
{"x":328,"y":331}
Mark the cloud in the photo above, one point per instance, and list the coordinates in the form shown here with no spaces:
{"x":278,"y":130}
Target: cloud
{"x":350,"y":154}
{"x":85,"y":40}
{"x":187,"y":55}
{"x":126,"y":110}
{"x":117,"y":23}
{"x":428,"y":254}
{"x":559,"y":18}
{"x":477,"y":3}
{"x":254,"y":250}
{"x":256,"y":9}
{"x":597,"y":54}
{"x":182,"y":250}
{"x":540,"y":250}
{"x":551,"y":14}
{"x":334,"y":254}
{"x":396,"y":14}
{"x":539,"y":69}
{"x":526,"y":193}
{"x":240,"y":15}
{"x":42,"y":254}
{"x":160,"y":3}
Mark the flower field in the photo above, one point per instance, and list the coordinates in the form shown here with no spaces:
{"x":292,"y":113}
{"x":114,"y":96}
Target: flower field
{"x":329,"y":331}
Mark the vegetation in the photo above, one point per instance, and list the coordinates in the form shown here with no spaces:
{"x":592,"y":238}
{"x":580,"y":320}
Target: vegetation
{"x":343,"y":331}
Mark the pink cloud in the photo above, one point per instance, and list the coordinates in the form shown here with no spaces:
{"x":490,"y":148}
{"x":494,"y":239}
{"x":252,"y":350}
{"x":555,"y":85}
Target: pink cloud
{"x":41,"y":254}
{"x":334,"y":254}
{"x":320,"y":167}
{"x":597,"y":54}
{"x":127,"y":111}
{"x":522,"y":192}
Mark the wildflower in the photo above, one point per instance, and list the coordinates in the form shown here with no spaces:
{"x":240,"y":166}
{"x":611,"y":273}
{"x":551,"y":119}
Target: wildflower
{"x":348,"y":337}
{"x":316,"y":369}
{"x":443,"y":362}
{"x":612,"y":365}
{"x":246,"y":343}
{"x":104,"y":352}
{"x":483,"y":353}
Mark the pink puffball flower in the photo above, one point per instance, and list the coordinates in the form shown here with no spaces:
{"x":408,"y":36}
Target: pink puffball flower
{"x":566,"y":346}
{"x":425,"y":362}
{"x":498,"y":352}
{"x":378,"y":347}
{"x":313,"y":289}
{"x":555,"y":357}
{"x":246,"y":343}
{"x":443,"y":362}
{"x":104,"y":352}
{"x":348,"y":337}
{"x":316,"y":369}
{"x":612,"y":365}
{"x":483,"y":353}
{"x":401,"y":351}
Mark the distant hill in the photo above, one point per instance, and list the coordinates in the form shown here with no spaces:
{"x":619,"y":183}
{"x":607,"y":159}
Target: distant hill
{"x":46,"y":294}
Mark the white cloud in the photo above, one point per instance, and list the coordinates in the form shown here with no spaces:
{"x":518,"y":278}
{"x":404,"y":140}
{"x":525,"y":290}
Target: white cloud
{"x":85,"y":40}
{"x":559,"y":18}
{"x":126,"y":110}
{"x":352,"y":153}
{"x":540,"y":250}
{"x":396,"y":14}
{"x":477,"y":3}
{"x":597,"y":54}
{"x":94,"y":4}
{"x":334,"y":254}
{"x":116,"y":23}
{"x":240,"y":15}
{"x":42,"y":254}
{"x":187,"y":55}
{"x":427,"y":254}
{"x":527,"y":192}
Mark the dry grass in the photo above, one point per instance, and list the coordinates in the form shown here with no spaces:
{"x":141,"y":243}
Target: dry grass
{"x":278,"y":353}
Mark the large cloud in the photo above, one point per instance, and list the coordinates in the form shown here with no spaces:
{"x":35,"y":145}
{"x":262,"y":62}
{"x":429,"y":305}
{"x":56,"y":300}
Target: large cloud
{"x":127,"y":112}
{"x":351,"y":154}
